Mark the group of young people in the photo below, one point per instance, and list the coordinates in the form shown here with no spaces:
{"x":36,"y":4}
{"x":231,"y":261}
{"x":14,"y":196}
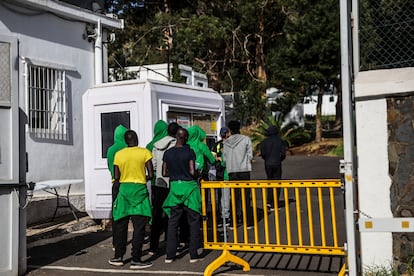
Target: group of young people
{"x":174,"y":162}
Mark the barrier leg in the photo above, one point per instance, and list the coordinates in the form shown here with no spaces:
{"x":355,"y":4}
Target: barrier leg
{"x":225,"y":257}
{"x":342,"y":271}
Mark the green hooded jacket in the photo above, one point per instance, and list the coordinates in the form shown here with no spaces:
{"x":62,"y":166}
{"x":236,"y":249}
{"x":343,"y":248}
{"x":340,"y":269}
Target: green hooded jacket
{"x":183,"y":192}
{"x":160,"y":131}
{"x":119,"y":143}
{"x":196,"y":136}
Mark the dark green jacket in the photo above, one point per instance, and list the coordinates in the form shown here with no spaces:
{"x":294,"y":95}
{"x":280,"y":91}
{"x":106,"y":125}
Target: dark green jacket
{"x":183,"y":192}
{"x":119,"y":143}
{"x":132,"y":199}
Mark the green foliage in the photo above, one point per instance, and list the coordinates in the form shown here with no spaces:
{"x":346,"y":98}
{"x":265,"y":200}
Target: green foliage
{"x":250,"y":105}
{"x":338,"y":151}
{"x":291,"y":134}
{"x":383,"y":270}
{"x":242,"y":46}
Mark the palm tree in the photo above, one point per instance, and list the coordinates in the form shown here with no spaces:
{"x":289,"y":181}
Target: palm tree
{"x":291,"y":133}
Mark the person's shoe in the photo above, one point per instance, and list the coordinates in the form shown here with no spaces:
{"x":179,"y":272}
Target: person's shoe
{"x":226,"y":222}
{"x":196,"y":259}
{"x":231,"y":225}
{"x":270,"y":208}
{"x":249,"y":227}
{"x":140,"y":265}
{"x":116,"y":261}
{"x":168,"y":261}
{"x":152,"y":252}
{"x":181,"y":247}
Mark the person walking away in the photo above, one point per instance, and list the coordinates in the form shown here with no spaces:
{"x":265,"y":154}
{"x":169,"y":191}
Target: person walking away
{"x":273,"y":152}
{"x":238,"y":155}
{"x":224,"y":194}
{"x":160,"y":188}
{"x":184,"y":197}
{"x":119,"y":143}
{"x":132,"y":202}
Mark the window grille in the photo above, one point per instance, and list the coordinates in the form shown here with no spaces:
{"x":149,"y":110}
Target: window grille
{"x":48,"y":118}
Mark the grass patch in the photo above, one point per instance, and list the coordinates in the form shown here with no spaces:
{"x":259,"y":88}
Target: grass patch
{"x":380,"y":270}
{"x":337,"y":151}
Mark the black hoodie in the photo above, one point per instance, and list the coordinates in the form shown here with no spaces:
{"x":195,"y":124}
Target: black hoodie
{"x":273,"y":149}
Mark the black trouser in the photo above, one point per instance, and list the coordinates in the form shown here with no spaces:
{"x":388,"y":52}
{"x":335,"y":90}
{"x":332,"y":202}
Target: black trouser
{"x":273,"y":173}
{"x":159,"y":218}
{"x":121,"y":236}
{"x":193,"y":219}
{"x":238,"y":195}
{"x":115,"y":191}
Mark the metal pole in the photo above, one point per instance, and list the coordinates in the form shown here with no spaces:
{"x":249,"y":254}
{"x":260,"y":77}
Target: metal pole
{"x":348,"y":137}
{"x":98,"y":53}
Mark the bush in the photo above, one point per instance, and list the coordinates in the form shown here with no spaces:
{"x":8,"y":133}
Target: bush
{"x":291,"y":134}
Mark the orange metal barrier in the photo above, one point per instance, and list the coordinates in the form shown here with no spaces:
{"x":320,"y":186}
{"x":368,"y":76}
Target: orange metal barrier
{"x":304,"y":223}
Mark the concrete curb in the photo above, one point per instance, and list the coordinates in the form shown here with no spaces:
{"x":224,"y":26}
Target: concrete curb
{"x":61,"y":228}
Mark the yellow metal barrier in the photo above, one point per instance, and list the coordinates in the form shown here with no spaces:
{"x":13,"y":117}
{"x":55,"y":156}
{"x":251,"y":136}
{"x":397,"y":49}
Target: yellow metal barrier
{"x":306,"y":222}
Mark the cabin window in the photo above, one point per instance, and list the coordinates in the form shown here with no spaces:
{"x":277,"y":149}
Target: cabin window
{"x":48,"y":103}
{"x":109,"y":122}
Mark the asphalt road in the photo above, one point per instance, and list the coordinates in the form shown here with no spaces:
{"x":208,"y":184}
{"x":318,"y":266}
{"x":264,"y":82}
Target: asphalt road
{"x":87,"y":252}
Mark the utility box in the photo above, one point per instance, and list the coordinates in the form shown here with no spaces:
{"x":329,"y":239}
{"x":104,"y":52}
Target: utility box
{"x":138,"y":105}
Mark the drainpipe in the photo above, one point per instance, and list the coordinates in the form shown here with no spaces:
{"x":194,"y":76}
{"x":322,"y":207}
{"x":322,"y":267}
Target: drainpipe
{"x":98,"y":54}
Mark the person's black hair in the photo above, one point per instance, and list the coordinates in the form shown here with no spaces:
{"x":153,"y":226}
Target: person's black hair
{"x":172,"y":129}
{"x":182,"y":135}
{"x":131,"y":137}
{"x":234,"y":127}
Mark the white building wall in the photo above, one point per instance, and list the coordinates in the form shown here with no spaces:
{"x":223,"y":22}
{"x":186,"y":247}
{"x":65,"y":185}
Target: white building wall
{"x":373,"y":179}
{"x":328,"y":105}
{"x":49,"y":39}
{"x":371,"y":90}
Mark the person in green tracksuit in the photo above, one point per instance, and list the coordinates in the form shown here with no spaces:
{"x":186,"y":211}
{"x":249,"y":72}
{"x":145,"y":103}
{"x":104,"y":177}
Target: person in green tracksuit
{"x":184,"y":196}
{"x":132,"y":202}
{"x":196,"y":137}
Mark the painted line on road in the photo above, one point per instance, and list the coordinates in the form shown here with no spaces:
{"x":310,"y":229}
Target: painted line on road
{"x":111,"y":270}
{"x":127,"y":271}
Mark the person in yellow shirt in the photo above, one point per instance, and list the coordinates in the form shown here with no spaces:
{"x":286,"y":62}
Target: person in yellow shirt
{"x":132,"y":169}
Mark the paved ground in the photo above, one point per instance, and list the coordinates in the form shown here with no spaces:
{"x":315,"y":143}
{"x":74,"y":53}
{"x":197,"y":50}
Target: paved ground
{"x":68,"y":247}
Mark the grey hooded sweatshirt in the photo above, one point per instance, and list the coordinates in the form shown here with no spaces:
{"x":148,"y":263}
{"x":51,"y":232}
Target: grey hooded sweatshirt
{"x":157,"y":153}
{"x":238,"y":153}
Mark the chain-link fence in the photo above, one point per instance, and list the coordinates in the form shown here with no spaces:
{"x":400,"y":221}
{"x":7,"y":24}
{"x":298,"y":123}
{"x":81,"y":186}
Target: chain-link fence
{"x":386,"y":34}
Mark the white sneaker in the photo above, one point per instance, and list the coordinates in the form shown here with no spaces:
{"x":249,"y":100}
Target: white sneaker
{"x":168,"y":261}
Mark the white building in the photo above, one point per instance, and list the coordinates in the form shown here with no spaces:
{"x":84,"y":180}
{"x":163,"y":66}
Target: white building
{"x":163,"y":72}
{"x":50,"y":54}
{"x":328,"y":105}
{"x":138,"y":105}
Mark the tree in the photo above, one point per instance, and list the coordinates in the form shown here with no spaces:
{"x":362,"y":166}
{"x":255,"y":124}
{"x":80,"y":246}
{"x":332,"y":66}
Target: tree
{"x":243,"y":46}
{"x":290,"y":134}
{"x":310,"y":61}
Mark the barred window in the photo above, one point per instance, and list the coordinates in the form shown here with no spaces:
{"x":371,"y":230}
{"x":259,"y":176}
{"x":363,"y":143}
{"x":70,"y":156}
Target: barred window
{"x":48,"y":118}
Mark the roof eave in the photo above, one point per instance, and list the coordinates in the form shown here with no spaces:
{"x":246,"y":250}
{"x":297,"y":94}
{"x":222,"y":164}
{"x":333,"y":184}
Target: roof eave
{"x":71,"y":11}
